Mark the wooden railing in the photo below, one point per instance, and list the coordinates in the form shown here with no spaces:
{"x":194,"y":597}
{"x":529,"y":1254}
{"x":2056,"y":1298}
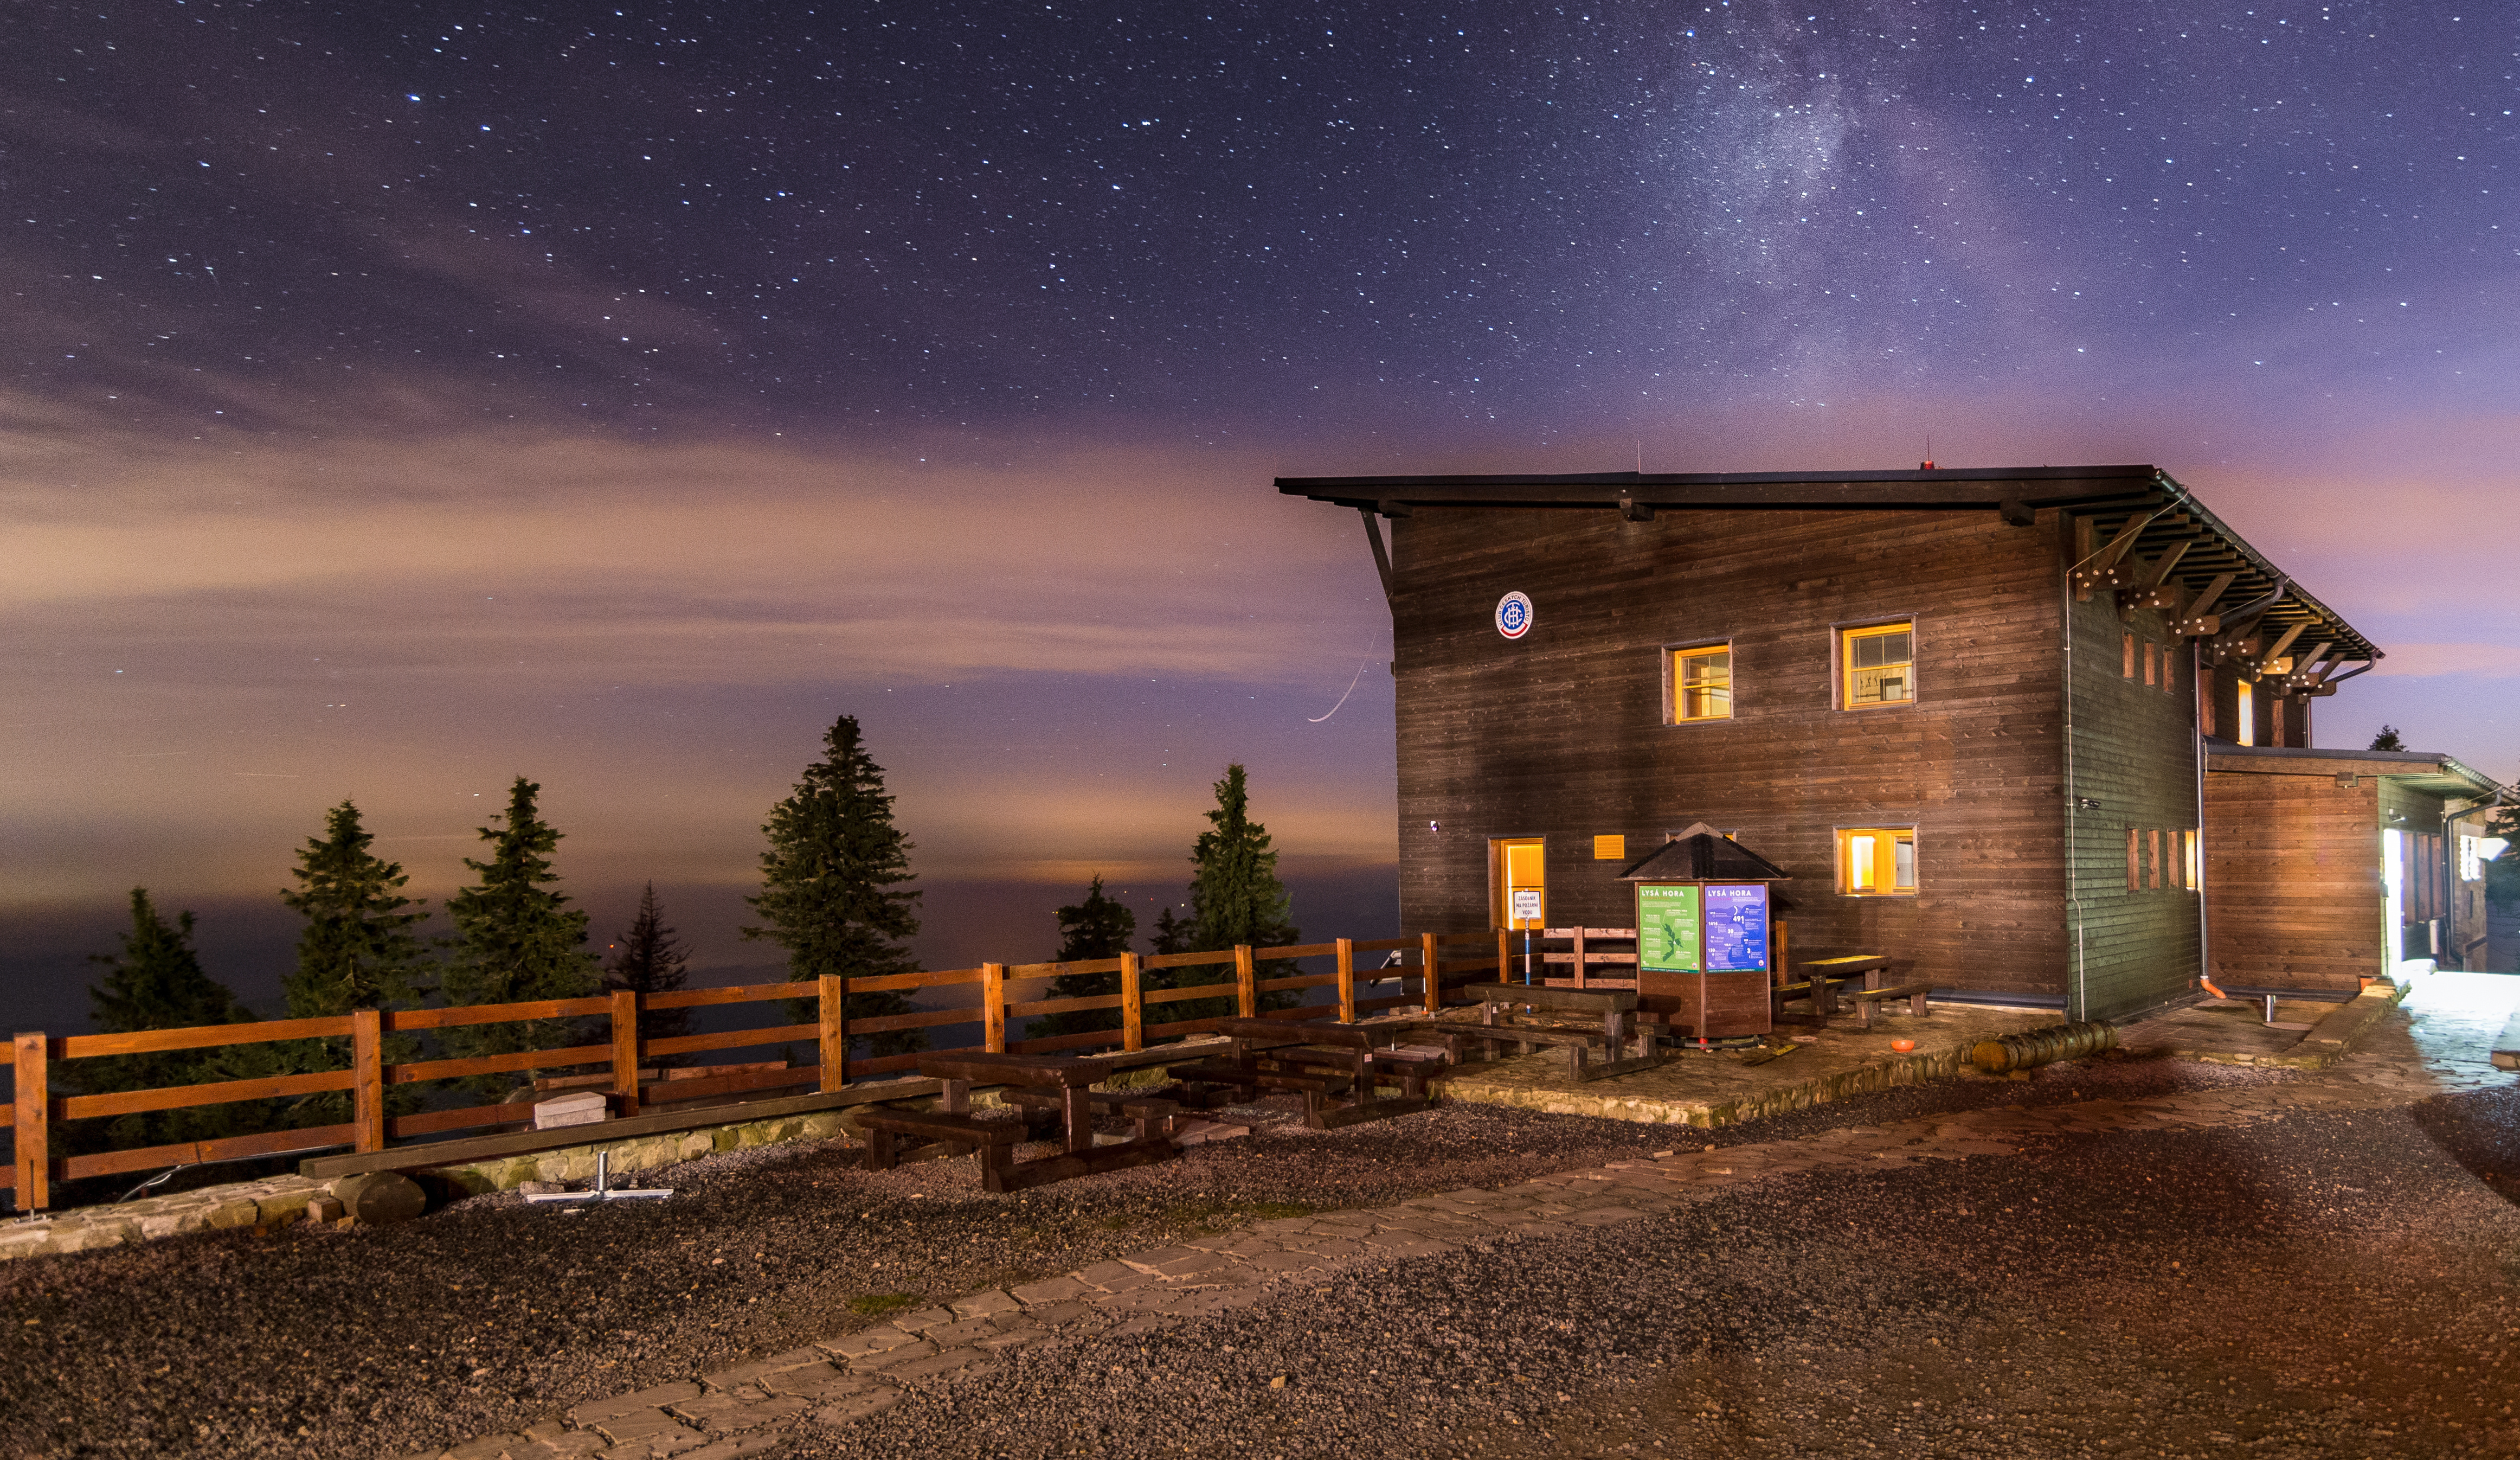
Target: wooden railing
{"x":35,"y":1109}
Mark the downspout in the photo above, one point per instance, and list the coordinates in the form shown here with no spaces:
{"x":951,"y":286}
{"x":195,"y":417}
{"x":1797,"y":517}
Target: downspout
{"x":2073,"y":796}
{"x":2197,"y":689}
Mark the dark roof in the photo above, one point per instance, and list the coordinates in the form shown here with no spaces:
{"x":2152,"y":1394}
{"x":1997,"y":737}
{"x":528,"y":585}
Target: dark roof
{"x":2111,"y":496}
{"x":1701,"y":854}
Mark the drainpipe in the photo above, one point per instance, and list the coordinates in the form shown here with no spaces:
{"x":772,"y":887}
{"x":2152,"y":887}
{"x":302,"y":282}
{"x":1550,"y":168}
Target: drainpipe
{"x":2197,"y":690}
{"x":2073,"y":795}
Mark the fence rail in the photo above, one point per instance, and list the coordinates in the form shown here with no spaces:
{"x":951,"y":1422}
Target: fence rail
{"x":35,"y":1109}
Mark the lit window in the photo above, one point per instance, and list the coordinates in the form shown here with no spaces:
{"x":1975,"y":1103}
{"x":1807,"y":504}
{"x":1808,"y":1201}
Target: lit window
{"x":2195,"y":869}
{"x":2245,"y":718}
{"x":1880,"y":664}
{"x":1702,"y":683}
{"x":1877,"y":861}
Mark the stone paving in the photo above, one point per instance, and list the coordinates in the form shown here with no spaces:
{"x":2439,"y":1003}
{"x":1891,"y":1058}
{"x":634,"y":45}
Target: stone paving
{"x":1707,"y":1089}
{"x":2441,"y":1048}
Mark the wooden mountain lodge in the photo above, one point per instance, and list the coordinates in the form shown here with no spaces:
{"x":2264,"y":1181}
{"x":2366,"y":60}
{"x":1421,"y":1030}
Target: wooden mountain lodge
{"x":2038,"y":735}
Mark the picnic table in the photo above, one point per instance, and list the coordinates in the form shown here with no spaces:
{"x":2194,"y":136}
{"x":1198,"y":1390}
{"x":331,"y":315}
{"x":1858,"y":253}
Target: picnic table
{"x":1039,"y":1085}
{"x":1616,"y":1007}
{"x":1819,"y":988}
{"x":1321,"y":1062}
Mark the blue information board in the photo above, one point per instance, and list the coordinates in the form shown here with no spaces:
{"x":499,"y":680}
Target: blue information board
{"x":1737,"y":927}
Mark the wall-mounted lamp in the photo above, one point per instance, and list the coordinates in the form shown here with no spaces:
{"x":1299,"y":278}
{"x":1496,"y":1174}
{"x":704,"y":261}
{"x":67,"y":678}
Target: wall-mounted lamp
{"x":2088,"y":803}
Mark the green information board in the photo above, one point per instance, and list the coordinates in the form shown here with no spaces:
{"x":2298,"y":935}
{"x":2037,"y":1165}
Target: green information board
{"x":1667,"y":928}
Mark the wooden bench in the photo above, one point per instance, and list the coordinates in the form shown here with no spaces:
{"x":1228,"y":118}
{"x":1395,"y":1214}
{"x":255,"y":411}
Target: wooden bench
{"x":994,"y":1140}
{"x":1913,"y":993}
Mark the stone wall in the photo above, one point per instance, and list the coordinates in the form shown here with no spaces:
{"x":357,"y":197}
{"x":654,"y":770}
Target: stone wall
{"x":280,"y":1201}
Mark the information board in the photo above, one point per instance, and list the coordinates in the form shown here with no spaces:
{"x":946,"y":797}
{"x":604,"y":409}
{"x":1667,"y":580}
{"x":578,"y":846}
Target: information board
{"x":1667,"y":928}
{"x":1526,"y":907}
{"x":1737,"y":927}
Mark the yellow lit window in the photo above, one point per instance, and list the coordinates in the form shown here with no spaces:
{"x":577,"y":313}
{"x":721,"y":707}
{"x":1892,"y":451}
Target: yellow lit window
{"x":1877,"y":861}
{"x":1880,"y":664}
{"x":1702,"y":686}
{"x":2247,"y":717}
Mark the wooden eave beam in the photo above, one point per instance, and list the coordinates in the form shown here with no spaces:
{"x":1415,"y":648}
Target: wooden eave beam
{"x":1382,"y":555}
{"x":2198,"y":620}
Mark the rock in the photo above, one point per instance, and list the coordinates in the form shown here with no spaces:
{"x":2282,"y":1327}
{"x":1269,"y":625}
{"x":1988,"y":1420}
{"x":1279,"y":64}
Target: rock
{"x":582,"y":1108}
{"x":540,"y":1188}
{"x":380,"y":1196}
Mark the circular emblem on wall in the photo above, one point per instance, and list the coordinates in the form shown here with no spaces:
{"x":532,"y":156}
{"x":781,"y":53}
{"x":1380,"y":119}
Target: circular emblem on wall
{"x":1514,"y":615}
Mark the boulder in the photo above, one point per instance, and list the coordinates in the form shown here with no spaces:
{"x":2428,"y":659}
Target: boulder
{"x":380,"y":1196}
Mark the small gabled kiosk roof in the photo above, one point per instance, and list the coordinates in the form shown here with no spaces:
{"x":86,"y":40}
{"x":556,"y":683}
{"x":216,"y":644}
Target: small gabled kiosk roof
{"x":1704,"y":855}
{"x":2149,"y":534}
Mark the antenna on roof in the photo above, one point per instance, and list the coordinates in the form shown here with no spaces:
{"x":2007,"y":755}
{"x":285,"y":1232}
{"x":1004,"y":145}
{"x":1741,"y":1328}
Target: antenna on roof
{"x":1927,"y":464}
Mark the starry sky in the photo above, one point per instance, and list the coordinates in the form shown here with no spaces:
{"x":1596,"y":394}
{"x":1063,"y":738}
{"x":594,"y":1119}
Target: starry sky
{"x":398,"y":398}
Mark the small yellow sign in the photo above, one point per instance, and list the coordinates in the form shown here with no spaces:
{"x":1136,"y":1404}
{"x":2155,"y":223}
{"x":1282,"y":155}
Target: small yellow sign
{"x":1609,"y":848}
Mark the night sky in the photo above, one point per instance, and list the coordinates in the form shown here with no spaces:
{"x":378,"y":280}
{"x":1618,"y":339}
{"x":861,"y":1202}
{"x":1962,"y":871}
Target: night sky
{"x":398,"y":399}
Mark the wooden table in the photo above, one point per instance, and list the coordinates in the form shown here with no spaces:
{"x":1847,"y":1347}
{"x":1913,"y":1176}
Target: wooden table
{"x":1820,"y":977}
{"x":1320,"y":1061}
{"x":1064,"y":1078}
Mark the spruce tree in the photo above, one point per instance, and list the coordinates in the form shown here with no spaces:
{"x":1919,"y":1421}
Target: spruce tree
{"x":649,"y":959}
{"x":358,"y":951}
{"x":832,"y":883}
{"x":1091,"y":930}
{"x":515,"y":940}
{"x":158,"y":982}
{"x":1235,"y":897}
{"x":2387,"y":740}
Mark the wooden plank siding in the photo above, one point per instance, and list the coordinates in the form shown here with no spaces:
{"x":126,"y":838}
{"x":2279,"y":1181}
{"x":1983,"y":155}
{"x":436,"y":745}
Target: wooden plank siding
{"x":2134,"y":753}
{"x":2295,"y":899}
{"x":1563,"y":734}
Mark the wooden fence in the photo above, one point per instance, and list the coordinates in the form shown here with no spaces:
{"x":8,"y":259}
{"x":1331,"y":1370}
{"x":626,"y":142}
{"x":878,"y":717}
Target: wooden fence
{"x":35,"y":1109}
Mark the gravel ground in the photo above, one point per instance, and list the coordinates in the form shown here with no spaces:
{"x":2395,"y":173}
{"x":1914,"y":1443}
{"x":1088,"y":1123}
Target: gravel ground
{"x":490,"y":1315}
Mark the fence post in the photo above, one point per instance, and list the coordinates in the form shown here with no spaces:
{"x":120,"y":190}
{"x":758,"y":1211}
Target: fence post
{"x":1504,"y":955}
{"x":368,"y":1079}
{"x":993,"y":1005}
{"x":1246,"y":983}
{"x":1133,"y":1003}
{"x":1434,"y":973}
{"x":625,"y":1048}
{"x":1347,"y":979}
{"x":832,"y":1005}
{"x":34,"y":1104}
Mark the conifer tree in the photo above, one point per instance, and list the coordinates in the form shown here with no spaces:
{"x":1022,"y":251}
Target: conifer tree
{"x":1091,"y":930}
{"x":649,"y":959}
{"x":158,"y":982}
{"x":357,"y":951}
{"x":832,"y":883}
{"x":515,"y":940}
{"x":2387,"y":740}
{"x":1235,"y":897}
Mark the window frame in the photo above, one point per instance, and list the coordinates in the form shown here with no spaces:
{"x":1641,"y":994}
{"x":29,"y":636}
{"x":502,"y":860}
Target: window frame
{"x":1673,"y":654}
{"x":1841,"y":842}
{"x":1841,"y":639}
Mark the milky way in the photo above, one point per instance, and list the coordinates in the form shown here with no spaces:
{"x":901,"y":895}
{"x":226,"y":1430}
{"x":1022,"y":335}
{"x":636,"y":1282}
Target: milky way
{"x":398,"y":398}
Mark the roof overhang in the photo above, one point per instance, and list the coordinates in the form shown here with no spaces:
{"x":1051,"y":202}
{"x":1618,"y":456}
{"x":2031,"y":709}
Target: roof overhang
{"x":2416,"y":770}
{"x":2165,"y":518}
